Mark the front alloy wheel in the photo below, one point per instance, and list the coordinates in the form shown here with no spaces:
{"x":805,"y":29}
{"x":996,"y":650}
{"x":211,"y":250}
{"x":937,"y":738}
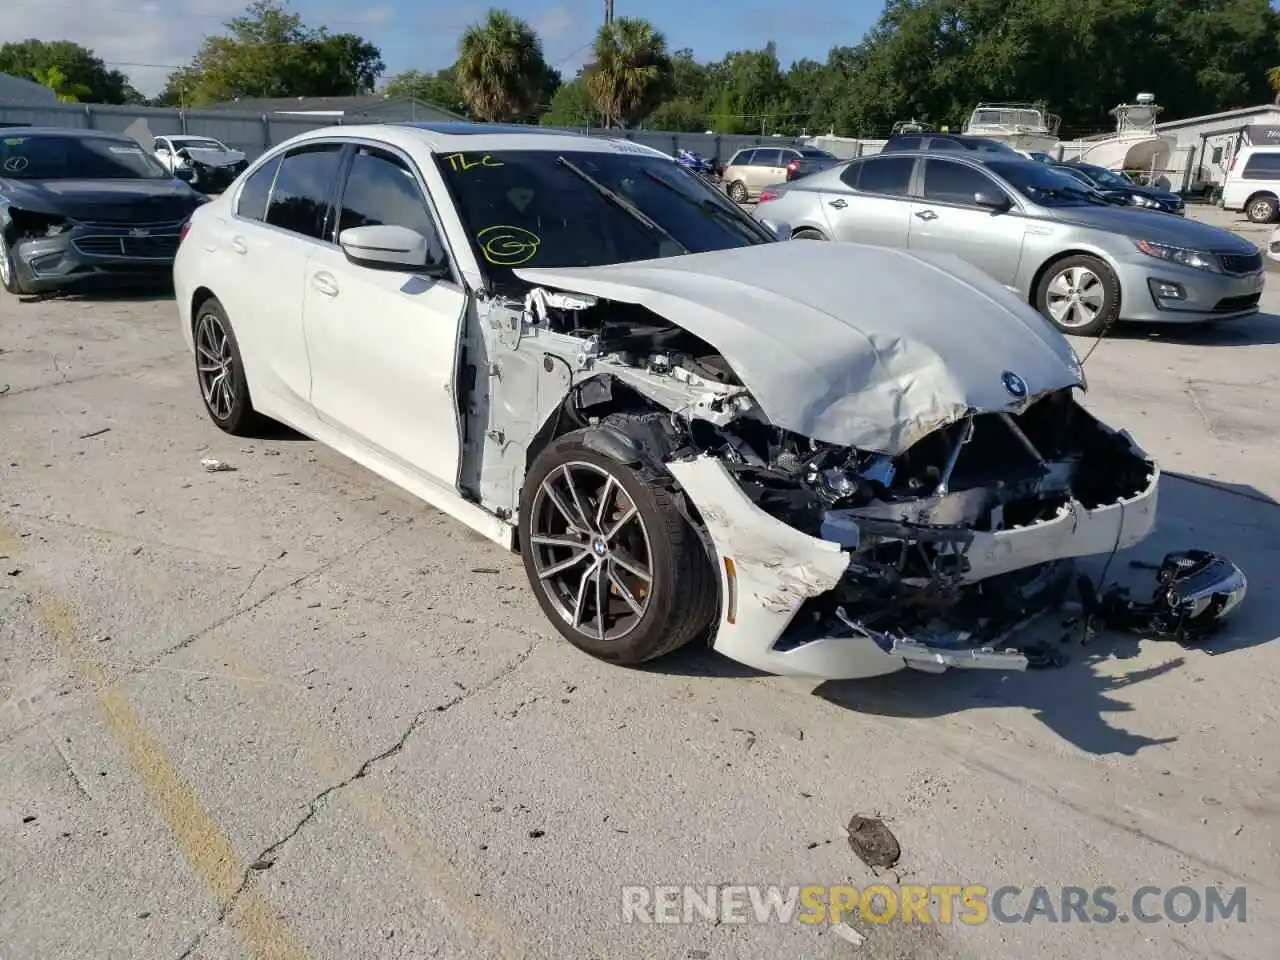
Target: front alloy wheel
{"x":1080,"y":295}
{"x":9,"y":271}
{"x":615,"y":565}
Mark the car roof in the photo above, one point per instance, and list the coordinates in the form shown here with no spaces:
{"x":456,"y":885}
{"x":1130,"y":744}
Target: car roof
{"x":450,"y":137}
{"x":77,"y":132}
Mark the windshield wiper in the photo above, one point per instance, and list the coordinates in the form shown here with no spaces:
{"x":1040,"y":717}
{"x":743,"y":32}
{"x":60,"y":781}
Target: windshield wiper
{"x":623,"y":204}
{"x":707,"y":206}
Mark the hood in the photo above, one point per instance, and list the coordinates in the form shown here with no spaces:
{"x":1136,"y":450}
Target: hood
{"x":130,"y":201}
{"x":1142,"y":225}
{"x":213,"y":157}
{"x":854,"y":345}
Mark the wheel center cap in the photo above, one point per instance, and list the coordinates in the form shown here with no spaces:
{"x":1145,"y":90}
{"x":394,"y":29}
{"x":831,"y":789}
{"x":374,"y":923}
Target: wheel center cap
{"x":600,"y":548}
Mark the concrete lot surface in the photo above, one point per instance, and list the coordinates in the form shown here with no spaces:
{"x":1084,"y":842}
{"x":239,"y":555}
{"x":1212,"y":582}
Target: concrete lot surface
{"x":288,"y":712}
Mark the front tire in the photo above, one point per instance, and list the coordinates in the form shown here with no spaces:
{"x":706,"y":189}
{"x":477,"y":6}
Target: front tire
{"x":9,"y":272}
{"x":738,"y":192}
{"x":614,"y":564}
{"x":220,"y":371}
{"x":1261,"y":209}
{"x":1079,"y":295}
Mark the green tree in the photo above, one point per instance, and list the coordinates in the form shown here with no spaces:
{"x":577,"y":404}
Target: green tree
{"x":679,"y":116}
{"x":629,"y":72}
{"x":501,"y":71}
{"x":56,"y":80}
{"x":82,"y":74}
{"x":440,"y":88}
{"x":269,"y":52}
{"x":571,"y":106}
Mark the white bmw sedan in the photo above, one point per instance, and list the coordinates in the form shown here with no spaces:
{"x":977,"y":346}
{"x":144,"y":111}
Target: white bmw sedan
{"x":827,"y":460}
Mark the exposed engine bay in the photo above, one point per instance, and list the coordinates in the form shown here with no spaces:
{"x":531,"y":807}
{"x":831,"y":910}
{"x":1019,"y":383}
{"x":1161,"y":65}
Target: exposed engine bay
{"x":929,"y":532}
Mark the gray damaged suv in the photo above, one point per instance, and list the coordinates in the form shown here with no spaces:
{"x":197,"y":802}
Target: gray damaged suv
{"x":1079,"y":260}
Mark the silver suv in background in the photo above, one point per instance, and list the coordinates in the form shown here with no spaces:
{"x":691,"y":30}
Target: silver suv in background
{"x":1080,"y":261}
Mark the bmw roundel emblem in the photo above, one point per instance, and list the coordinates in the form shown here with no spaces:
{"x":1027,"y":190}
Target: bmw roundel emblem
{"x":1016,"y":386}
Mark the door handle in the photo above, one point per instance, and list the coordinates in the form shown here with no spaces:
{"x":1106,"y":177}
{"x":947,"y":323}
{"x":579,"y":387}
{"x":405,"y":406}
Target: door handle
{"x":325,"y":283}
{"x":838,"y":204}
{"x":238,"y":245}
{"x":927,"y":215}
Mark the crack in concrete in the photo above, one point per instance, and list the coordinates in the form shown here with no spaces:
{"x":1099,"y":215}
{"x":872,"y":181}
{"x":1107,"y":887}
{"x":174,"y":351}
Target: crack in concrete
{"x":266,"y":857}
{"x":100,"y":374}
{"x":240,"y":611}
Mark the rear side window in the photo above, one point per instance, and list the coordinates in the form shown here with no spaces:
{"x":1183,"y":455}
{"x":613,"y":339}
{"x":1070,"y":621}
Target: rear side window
{"x":303,"y":187}
{"x":887,"y":176}
{"x":1263,"y":166}
{"x":252,"y":204}
{"x":767,"y":158}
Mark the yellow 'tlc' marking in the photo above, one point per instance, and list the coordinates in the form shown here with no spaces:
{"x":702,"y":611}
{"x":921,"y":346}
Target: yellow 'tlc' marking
{"x":459,"y":162}
{"x":203,"y":840}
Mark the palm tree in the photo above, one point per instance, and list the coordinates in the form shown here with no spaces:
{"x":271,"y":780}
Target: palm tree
{"x":1273,"y":79}
{"x":630,"y":70}
{"x":66,"y":91}
{"x":500,"y":67}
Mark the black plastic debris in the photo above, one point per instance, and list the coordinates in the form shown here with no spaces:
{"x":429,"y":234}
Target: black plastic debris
{"x":873,"y":842}
{"x":1195,"y":591}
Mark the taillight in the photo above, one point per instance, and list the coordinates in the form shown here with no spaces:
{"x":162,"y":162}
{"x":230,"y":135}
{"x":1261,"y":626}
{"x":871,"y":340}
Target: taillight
{"x":766,"y":196}
{"x":792,"y":168}
{"x":184,"y":230}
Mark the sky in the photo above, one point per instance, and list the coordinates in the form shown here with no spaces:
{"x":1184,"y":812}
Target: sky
{"x":146,"y":39}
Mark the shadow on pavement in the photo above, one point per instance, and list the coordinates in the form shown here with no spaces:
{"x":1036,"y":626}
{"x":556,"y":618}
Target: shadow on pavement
{"x":108,"y":289}
{"x":1259,"y":329}
{"x":1077,"y":701}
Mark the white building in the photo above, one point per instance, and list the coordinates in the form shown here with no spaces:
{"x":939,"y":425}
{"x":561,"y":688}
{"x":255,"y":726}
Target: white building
{"x":16,"y":89}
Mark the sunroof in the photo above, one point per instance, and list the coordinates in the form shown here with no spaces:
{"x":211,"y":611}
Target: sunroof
{"x":461,"y":128}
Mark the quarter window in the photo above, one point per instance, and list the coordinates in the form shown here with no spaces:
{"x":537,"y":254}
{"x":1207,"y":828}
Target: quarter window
{"x":252,"y":204}
{"x":947,"y":182}
{"x":300,"y":197}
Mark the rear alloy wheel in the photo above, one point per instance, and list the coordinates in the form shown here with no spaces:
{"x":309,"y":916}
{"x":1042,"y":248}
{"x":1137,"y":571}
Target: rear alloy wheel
{"x":738,"y":192}
{"x":9,"y":272}
{"x":615,"y":565}
{"x":1079,"y":295}
{"x":807,"y":234}
{"x":1261,"y":209}
{"x":220,"y":371}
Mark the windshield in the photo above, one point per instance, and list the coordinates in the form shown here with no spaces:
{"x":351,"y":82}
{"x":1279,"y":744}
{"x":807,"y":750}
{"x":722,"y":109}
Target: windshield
{"x":200,"y":143}
{"x":1044,"y":185}
{"x":57,"y":157}
{"x":540,"y":208}
{"x":1104,"y":176}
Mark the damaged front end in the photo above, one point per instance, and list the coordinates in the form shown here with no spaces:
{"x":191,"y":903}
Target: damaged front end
{"x":838,"y":562}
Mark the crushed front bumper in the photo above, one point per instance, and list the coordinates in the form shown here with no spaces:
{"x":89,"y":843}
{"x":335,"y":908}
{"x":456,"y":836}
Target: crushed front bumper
{"x":769,"y":570}
{"x":96,"y":252}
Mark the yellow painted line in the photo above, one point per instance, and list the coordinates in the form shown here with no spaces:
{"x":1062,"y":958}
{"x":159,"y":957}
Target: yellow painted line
{"x":203,"y":841}
{"x":426,"y":864}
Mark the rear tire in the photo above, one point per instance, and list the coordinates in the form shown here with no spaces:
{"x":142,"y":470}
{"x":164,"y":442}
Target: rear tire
{"x":805,"y":233}
{"x":738,"y":192}
{"x":220,"y":371}
{"x":1262,"y":208}
{"x":1079,"y":295}
{"x":591,"y":531}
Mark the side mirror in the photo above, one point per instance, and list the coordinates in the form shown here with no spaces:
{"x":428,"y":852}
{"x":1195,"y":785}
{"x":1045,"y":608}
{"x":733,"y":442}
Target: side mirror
{"x":992,"y":200}
{"x":386,"y":247}
{"x":779,"y":228}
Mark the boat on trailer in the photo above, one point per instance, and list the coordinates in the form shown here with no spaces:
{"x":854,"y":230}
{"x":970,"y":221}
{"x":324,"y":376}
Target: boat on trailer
{"x":1135,"y":146}
{"x":1024,"y":126}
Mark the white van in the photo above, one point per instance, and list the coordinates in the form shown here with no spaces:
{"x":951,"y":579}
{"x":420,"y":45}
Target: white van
{"x":1253,"y":183}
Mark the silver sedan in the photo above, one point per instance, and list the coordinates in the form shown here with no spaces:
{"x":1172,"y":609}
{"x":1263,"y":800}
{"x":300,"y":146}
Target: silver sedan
{"x":1082,"y":262}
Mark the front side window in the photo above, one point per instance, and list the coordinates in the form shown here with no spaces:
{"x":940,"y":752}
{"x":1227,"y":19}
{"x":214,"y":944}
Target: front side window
{"x":888,"y":176}
{"x":303,"y":187}
{"x":539,"y":208}
{"x":382,"y":191}
{"x":252,"y":202}
{"x":69,"y":157}
{"x":947,"y":182}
